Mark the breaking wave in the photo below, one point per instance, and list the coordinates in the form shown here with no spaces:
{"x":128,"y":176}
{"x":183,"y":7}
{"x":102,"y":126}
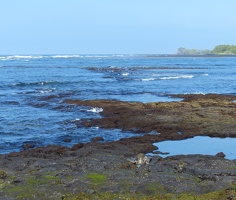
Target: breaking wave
{"x":177,"y":77}
{"x":22,"y":84}
{"x":148,"y":79}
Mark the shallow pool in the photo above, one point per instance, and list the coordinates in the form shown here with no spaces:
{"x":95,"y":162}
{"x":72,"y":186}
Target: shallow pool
{"x":199,"y":145}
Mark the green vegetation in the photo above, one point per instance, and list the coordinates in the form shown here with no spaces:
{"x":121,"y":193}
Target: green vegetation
{"x":184,"y":51}
{"x":45,"y":187}
{"x":224,"y":49}
{"x":218,"y":50}
{"x":49,"y":186}
{"x":34,"y":187}
{"x":229,"y":193}
{"x":3,"y":174}
{"x":96,"y":179}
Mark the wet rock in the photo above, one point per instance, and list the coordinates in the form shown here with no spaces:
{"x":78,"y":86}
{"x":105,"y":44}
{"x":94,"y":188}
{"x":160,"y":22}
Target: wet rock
{"x":77,"y":146}
{"x":67,"y":140}
{"x":54,"y":171}
{"x":28,"y":146}
{"x":211,"y":114}
{"x":96,"y":139}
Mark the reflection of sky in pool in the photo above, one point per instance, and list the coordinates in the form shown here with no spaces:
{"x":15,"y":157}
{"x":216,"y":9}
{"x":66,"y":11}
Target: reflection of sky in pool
{"x":199,"y":145}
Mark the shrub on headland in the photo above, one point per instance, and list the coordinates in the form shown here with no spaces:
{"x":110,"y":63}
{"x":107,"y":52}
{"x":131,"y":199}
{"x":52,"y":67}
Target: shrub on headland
{"x":220,"y":49}
{"x":224,"y":49}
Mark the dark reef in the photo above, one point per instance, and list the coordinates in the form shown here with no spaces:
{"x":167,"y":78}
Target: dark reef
{"x":95,"y":168}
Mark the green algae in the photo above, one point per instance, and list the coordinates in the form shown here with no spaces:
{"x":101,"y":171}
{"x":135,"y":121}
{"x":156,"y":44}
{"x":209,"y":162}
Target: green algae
{"x":44,"y":180}
{"x":96,"y":179}
{"x":34,"y":187}
{"x":229,"y":193}
{"x":44,"y":187}
{"x":3,"y":174}
{"x":153,"y":188}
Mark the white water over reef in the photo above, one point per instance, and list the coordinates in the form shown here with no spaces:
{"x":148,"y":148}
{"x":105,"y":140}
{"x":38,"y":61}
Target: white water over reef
{"x":33,"y":90}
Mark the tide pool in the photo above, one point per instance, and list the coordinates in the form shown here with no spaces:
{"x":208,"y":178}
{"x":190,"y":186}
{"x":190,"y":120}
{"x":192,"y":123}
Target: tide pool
{"x":199,"y":145}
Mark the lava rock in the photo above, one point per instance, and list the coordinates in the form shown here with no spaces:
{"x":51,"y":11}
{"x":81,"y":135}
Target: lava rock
{"x":67,"y":140}
{"x":27,"y":146}
{"x":96,"y":139}
{"x":220,"y":154}
{"x":77,"y":146}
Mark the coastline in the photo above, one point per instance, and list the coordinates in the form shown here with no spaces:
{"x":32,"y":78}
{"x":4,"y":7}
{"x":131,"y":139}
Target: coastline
{"x":98,"y":168}
{"x":185,"y":55}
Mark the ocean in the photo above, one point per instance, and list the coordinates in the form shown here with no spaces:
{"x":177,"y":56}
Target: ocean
{"x":33,"y":89}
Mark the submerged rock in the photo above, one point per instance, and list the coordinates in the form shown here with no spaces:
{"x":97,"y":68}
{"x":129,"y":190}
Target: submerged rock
{"x":67,"y":140}
{"x":27,"y":146}
{"x":96,"y":139}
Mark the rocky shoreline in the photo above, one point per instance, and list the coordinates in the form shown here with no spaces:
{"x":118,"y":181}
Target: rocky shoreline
{"x":98,"y":169}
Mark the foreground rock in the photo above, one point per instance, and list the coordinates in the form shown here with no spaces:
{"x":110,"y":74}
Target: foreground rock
{"x":58,"y":172}
{"x":95,"y":168}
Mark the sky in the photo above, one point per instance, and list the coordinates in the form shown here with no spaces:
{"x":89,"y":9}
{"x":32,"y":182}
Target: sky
{"x":114,"y":26}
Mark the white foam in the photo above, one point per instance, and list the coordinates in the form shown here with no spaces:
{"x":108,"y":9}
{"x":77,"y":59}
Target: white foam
{"x":95,"y":127}
{"x":75,"y":120}
{"x":97,"y":56}
{"x":156,"y":74}
{"x":125,"y":74}
{"x":200,"y":93}
{"x":154,"y":132}
{"x":195,"y":93}
{"x":2,"y":57}
{"x":177,"y":77}
{"x":148,"y":79}
{"x":20,"y":57}
{"x":46,"y":91}
{"x":95,"y":110}
{"x":66,"y":56}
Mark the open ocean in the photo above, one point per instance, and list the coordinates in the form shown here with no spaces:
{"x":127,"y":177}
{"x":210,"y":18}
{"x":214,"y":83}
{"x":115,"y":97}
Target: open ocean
{"x":32,"y":90}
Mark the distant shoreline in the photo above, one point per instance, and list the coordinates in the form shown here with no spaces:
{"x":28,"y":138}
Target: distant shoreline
{"x":190,"y":55}
{"x":27,"y":56}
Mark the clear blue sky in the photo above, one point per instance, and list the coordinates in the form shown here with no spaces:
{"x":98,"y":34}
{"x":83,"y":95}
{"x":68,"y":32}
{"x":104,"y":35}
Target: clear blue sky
{"x":114,"y":26}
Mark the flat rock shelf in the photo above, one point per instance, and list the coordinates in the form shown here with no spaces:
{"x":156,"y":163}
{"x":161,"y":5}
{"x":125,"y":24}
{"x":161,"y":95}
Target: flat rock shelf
{"x":102,"y":169}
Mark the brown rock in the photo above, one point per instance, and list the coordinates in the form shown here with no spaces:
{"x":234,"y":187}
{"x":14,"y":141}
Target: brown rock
{"x":220,"y":154}
{"x":67,"y":140}
{"x":212,"y":115}
{"x":77,"y":146}
{"x":27,"y":146}
{"x":96,"y":139}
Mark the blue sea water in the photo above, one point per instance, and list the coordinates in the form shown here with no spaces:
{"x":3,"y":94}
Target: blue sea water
{"x":33,"y":88}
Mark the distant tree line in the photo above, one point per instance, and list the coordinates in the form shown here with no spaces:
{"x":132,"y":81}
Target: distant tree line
{"x":225,"y":49}
{"x":220,"y":49}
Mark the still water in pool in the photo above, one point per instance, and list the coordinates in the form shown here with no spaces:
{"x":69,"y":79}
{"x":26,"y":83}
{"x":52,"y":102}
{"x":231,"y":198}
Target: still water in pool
{"x":199,"y":145}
